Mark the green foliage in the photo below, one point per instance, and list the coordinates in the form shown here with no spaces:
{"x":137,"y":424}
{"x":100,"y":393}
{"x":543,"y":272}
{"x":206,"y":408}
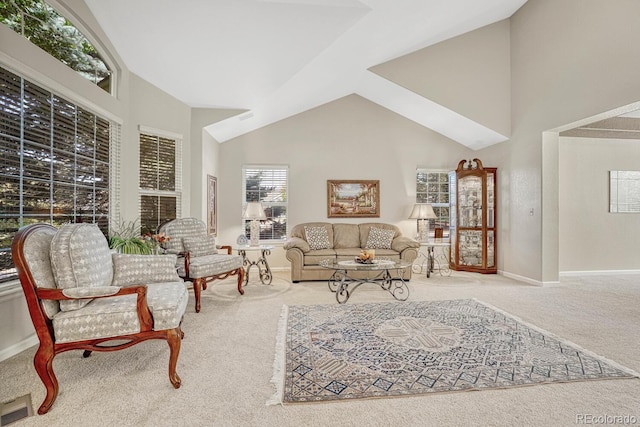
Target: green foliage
{"x":44,"y":27}
{"x":125,"y":238}
{"x":131,"y":245}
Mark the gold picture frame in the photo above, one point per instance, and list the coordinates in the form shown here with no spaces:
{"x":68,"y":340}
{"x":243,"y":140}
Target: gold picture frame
{"x":353,"y":198}
{"x":212,"y":205}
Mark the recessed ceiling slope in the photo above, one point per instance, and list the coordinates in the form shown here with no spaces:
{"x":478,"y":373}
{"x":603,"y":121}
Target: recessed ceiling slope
{"x":278,"y":58}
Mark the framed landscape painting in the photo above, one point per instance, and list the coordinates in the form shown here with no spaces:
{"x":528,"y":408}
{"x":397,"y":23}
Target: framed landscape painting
{"x":353,"y":198}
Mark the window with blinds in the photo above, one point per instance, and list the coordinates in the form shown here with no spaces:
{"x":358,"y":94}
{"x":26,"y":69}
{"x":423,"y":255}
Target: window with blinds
{"x":55,"y":162}
{"x":268,"y":185}
{"x":160,"y":190}
{"x":432,"y":186}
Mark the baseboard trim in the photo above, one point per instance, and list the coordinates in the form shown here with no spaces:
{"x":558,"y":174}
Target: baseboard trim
{"x":597,"y":273}
{"x":30,"y":341}
{"x":525,"y":279}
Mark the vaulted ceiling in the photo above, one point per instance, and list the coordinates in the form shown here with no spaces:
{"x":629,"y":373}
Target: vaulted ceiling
{"x":272,"y":59}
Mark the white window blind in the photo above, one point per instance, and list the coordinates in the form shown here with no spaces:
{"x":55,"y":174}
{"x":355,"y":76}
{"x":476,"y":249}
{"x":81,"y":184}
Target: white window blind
{"x":160,"y":180}
{"x":267,"y":184}
{"x":55,"y":162}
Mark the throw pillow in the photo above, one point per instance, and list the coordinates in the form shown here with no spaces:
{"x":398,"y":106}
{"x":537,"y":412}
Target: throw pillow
{"x":379,"y":238}
{"x":143,"y":269}
{"x":200,"y":246}
{"x":317,"y":237}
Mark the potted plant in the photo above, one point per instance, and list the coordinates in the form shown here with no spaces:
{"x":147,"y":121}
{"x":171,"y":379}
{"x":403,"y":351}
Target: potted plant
{"x":126,"y":239}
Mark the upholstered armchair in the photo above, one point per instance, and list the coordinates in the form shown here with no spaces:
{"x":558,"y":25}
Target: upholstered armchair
{"x":199,"y":259}
{"x":81,"y":296}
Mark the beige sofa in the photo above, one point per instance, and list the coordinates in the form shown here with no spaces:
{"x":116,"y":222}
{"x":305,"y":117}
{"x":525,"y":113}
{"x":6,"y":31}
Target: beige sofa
{"x":311,"y":242}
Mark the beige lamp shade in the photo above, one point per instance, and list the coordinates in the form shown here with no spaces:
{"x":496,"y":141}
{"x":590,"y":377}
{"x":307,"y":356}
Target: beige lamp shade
{"x":422,"y":211}
{"x":254,"y":210}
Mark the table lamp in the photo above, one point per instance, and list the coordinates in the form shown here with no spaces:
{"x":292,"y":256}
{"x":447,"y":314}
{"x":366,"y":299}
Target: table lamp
{"x":254,"y":212}
{"x":423,"y":212}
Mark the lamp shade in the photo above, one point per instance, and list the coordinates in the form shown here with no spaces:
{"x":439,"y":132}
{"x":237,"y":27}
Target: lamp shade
{"x":422,"y":211}
{"x":254,"y":210}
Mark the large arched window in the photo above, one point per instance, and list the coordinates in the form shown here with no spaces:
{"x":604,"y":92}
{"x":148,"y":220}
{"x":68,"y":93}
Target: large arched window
{"x":47,"y":29}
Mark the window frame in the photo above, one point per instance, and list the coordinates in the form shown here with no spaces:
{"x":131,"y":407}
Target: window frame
{"x":438,"y":207}
{"x":266,"y":204}
{"x":49,"y":126}
{"x":177,"y":192}
{"x":87,"y":35}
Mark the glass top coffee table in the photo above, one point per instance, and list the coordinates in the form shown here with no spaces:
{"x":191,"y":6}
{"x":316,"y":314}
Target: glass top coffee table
{"x":384,"y":272}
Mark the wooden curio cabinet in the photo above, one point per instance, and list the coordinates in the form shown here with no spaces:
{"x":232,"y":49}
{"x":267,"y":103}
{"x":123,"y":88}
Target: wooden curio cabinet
{"x":472,"y":190}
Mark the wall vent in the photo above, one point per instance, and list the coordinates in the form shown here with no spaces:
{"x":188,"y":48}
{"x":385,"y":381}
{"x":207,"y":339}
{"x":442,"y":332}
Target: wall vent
{"x":15,"y":410}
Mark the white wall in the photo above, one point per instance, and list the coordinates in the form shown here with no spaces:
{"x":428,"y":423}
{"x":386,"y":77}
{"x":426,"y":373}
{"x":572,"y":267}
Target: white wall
{"x":152,"y":108}
{"x":591,"y":238}
{"x":350,"y":138}
{"x":469,"y":74}
{"x":571,"y":59}
{"x":205,"y":156}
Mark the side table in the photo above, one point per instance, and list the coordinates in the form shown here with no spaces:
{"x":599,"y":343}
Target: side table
{"x":264,"y":271}
{"x":426,"y":261}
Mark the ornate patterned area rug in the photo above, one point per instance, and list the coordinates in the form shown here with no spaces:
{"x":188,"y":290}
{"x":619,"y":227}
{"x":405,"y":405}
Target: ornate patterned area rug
{"x":353,"y":351}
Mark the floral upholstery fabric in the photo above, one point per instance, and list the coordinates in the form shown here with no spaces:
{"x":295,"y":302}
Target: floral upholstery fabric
{"x":317,"y":237}
{"x":179,"y":229}
{"x":380,"y":238}
{"x":210,"y":265}
{"x":143,"y":269}
{"x":200,"y":246}
{"x":117,"y":315}
{"x":80,"y":256}
{"x":36,"y":252}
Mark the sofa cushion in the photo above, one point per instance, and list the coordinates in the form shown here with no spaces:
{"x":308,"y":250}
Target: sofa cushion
{"x":298,"y":230}
{"x":80,"y":256}
{"x":314,"y":257}
{"x":200,"y":246}
{"x":317,"y":237}
{"x":210,"y":265}
{"x":380,"y":238}
{"x":118,"y":316}
{"x":346,"y":236}
{"x":143,"y":269}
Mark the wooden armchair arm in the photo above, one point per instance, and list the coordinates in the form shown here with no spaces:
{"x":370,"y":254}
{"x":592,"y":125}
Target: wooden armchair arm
{"x":142,"y":308}
{"x":227,"y":247}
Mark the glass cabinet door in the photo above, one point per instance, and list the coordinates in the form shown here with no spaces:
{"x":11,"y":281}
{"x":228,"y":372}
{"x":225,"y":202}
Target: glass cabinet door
{"x":473,"y":217}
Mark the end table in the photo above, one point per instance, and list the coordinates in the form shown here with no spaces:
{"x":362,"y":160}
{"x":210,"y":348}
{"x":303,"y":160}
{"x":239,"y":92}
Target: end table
{"x":264,"y":271}
{"x":427,"y":261}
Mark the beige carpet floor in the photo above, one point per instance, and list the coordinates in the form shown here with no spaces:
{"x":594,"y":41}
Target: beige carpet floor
{"x":228,"y":352}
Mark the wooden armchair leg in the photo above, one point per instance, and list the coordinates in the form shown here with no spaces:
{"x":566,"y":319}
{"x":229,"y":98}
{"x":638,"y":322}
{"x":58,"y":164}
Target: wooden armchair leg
{"x":240,"y":280}
{"x":43,"y":362}
{"x":197,"y":290}
{"x":174,"y":338}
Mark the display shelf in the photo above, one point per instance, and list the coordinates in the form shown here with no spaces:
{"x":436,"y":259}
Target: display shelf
{"x":473,"y":217}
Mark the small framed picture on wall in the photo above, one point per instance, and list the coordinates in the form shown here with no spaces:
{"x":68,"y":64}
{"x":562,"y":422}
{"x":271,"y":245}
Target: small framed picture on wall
{"x":212,"y":205}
